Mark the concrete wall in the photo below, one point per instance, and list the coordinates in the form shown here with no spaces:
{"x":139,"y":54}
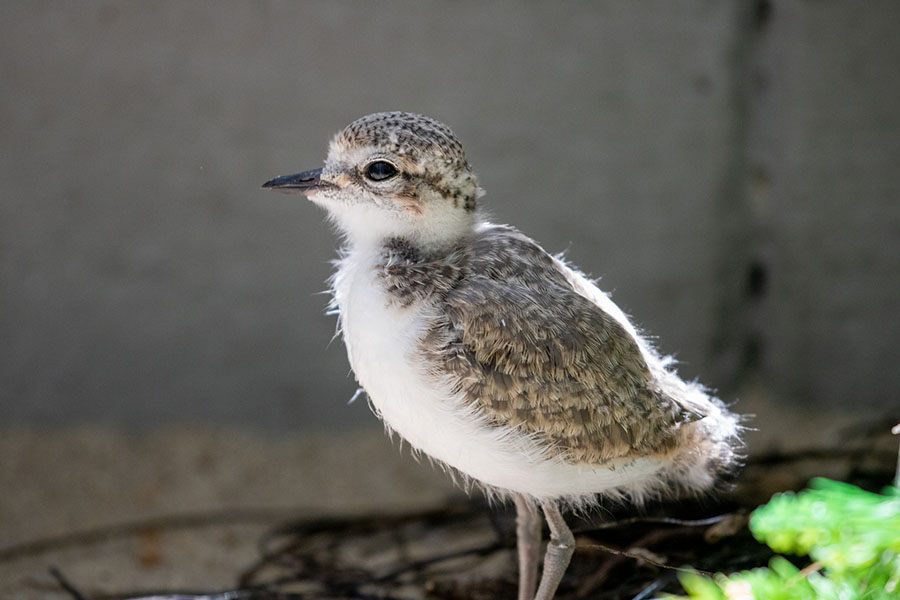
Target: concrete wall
{"x":825,"y":200}
{"x":731,"y":169}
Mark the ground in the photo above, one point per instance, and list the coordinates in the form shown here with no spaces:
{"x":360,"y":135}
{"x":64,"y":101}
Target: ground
{"x":343,"y":516}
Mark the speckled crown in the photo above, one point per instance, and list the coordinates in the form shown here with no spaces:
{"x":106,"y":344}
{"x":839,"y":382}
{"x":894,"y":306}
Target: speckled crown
{"x":405,"y":133}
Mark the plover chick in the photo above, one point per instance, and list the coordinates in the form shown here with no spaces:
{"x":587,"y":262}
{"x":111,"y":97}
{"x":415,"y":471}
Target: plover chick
{"x":492,"y":356}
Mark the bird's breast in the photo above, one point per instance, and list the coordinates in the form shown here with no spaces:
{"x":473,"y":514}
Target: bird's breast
{"x":382,"y":341}
{"x":380,"y":337}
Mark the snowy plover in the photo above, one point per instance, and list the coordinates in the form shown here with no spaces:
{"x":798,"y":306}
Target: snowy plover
{"x":492,"y":356}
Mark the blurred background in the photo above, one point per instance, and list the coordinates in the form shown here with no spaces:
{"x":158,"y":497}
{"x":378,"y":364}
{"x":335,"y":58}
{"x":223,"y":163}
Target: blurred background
{"x":730,"y":169}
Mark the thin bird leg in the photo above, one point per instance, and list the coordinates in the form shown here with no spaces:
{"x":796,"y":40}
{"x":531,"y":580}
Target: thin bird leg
{"x":559,"y":552}
{"x":528,"y":543}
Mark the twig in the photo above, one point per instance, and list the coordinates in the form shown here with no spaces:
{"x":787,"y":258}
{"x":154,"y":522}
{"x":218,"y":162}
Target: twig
{"x":65,"y":584}
{"x":896,"y":430}
{"x":654,"y":521}
{"x":426,"y":562}
{"x":645,"y":593}
{"x":636,"y":556}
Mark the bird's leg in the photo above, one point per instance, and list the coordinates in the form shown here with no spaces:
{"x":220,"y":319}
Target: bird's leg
{"x":559,"y":552}
{"x":528,"y":543}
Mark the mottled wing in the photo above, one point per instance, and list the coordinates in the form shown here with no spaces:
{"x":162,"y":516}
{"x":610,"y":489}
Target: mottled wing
{"x":539,"y":356}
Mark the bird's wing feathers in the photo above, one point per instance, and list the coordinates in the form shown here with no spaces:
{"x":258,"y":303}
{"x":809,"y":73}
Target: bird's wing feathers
{"x":539,"y":356}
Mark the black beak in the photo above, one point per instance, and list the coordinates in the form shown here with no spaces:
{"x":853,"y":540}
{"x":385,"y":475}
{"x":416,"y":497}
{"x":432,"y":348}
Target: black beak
{"x":303,"y":183}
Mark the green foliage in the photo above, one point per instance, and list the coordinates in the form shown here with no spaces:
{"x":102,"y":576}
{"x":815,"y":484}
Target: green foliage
{"x":852,"y":536}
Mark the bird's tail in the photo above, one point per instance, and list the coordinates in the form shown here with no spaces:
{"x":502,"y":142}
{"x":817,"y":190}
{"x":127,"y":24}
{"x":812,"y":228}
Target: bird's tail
{"x":708,"y":455}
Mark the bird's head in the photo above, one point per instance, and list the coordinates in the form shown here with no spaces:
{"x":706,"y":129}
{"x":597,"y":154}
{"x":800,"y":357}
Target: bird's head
{"x":390,"y":175}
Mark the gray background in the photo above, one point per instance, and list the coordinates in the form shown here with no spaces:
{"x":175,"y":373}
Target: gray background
{"x":731,"y":169}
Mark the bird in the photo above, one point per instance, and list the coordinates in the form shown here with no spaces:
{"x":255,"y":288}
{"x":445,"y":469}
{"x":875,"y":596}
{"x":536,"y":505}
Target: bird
{"x":501,"y":362}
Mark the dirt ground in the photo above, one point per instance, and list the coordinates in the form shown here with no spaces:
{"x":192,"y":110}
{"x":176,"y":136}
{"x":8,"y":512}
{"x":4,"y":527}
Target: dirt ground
{"x":178,"y":510}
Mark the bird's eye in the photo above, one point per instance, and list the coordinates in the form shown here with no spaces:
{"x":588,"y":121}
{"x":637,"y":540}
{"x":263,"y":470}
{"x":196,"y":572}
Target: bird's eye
{"x":380,"y":170}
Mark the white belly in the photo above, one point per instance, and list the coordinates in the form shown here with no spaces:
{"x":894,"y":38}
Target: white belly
{"x":382,"y":342}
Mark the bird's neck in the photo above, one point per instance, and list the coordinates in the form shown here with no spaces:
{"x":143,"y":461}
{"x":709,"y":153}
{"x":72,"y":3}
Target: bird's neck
{"x":399,"y":249}
{"x":421,"y":234}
